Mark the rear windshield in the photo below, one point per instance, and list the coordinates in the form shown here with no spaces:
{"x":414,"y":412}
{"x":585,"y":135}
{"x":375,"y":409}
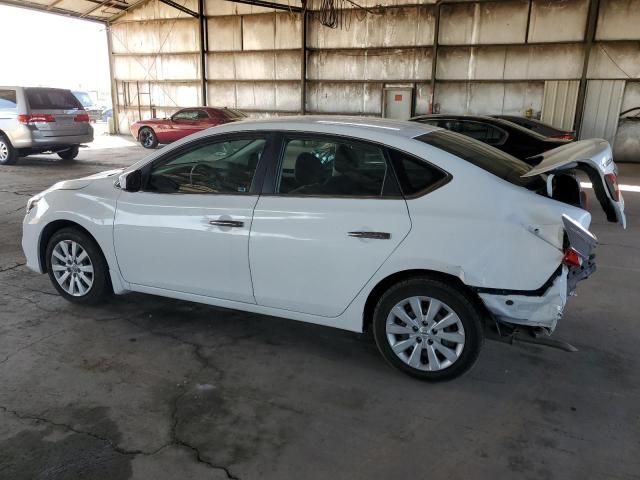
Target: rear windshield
{"x":52,"y":99}
{"x":483,"y":156}
{"x":532,"y":124}
{"x":232,"y":113}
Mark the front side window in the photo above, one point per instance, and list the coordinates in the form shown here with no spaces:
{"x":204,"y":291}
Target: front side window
{"x":7,"y":99}
{"x":220,"y":167}
{"x":332,"y":167}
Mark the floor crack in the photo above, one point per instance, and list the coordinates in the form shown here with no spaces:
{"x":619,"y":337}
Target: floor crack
{"x":204,"y":364}
{"x":13,"y":267}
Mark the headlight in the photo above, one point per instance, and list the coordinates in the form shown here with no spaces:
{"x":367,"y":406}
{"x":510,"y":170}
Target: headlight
{"x":32,"y":202}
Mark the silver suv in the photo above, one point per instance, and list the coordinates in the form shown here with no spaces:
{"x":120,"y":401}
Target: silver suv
{"x":38,"y":120}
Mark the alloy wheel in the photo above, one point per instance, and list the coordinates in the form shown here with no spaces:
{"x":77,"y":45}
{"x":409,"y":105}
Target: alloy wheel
{"x":72,"y":268}
{"x":4,"y":151}
{"x":425,"y":333}
{"x":146,"y":138}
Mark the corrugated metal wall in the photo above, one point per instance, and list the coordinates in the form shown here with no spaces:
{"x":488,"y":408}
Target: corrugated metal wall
{"x":559,"y":103}
{"x":602,"y":109}
{"x":492,"y":57}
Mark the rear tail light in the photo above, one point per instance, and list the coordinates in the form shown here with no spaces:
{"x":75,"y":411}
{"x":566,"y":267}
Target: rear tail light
{"x":37,"y":118}
{"x":571,"y":258}
{"x":564,"y":136}
{"x":82,"y":117}
{"x":612,"y":184}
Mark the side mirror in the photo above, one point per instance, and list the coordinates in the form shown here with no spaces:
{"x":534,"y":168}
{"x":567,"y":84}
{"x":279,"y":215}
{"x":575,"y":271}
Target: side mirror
{"x":131,"y":181}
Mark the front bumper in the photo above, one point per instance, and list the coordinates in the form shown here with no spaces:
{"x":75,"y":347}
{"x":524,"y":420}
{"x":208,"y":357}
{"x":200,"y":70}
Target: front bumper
{"x":31,"y":231}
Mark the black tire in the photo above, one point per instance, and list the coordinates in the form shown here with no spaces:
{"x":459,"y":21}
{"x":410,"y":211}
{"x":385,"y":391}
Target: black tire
{"x":8,"y":154}
{"x":147,"y":138}
{"x":70,"y":153}
{"x":455,"y":299}
{"x":100,"y":289}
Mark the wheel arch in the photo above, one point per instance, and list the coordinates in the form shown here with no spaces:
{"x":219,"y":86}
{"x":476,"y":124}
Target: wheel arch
{"x":400,"y":276}
{"x":54,"y":227}
{"x":143,"y":127}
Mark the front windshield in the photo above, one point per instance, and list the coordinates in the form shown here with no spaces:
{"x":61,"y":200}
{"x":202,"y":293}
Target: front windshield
{"x":484,"y":156}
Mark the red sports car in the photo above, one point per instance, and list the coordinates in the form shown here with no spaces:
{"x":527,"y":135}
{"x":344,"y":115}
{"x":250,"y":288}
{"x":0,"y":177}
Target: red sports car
{"x":182,"y":123}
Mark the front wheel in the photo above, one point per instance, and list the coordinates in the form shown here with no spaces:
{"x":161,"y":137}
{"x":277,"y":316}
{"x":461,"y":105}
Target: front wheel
{"x":69,"y":153}
{"x":77,"y":267}
{"x":148,"y":138}
{"x":428,"y":329}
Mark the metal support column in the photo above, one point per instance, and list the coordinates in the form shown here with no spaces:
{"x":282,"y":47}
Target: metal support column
{"x":590,"y":33}
{"x":204,"y":48}
{"x":115,"y":103}
{"x":303,"y":60}
{"x":434,"y":54}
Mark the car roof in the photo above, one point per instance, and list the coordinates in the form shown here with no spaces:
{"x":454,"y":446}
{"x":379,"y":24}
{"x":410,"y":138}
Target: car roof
{"x":355,"y":125}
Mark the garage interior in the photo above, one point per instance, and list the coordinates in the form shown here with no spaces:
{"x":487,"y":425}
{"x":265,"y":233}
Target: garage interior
{"x":148,"y":387}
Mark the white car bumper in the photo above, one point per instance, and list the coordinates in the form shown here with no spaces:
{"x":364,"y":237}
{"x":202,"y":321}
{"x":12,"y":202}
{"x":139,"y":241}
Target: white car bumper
{"x":533,"y":311}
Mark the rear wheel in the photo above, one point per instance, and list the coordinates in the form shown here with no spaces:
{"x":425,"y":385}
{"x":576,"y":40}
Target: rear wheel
{"x":8,"y":154}
{"x":428,"y":329}
{"x":77,"y":267}
{"x":69,"y":153}
{"x":148,"y":138}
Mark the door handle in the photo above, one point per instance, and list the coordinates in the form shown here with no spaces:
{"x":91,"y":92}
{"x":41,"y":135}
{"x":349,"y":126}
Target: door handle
{"x":374,"y":235}
{"x":226,"y":223}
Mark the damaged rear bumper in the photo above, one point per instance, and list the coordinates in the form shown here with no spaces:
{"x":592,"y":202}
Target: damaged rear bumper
{"x":545,"y":306}
{"x":531,"y":310}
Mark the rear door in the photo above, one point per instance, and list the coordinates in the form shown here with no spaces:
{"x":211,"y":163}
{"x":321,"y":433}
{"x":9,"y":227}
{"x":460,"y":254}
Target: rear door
{"x":327,"y":220}
{"x":56,"y":112}
{"x":595,"y":158}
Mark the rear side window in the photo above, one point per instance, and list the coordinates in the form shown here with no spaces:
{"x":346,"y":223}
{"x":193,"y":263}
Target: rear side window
{"x":480,"y":131}
{"x":415,"y":175}
{"x":324,"y":166}
{"x":483,"y":156}
{"x":232,"y":114}
{"x":52,"y":99}
{"x":7,"y":99}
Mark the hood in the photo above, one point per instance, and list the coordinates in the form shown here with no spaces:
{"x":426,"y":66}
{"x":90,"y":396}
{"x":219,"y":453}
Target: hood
{"x":78,"y":183}
{"x":594,"y":157}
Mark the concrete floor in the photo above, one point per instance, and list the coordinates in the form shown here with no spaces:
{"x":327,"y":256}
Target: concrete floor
{"x":146,"y":387}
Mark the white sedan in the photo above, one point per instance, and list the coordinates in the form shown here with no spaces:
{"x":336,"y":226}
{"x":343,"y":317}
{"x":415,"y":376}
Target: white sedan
{"x":425,"y":236}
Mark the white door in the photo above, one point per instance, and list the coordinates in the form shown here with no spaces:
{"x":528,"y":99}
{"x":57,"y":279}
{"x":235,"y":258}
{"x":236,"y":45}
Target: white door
{"x":188,"y":229}
{"x":397,"y":103}
{"x":336,"y":216}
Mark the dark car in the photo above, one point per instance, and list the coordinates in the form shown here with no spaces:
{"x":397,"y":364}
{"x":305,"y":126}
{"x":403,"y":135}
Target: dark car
{"x":184,"y":122}
{"x":506,"y":136}
{"x":539,"y":127}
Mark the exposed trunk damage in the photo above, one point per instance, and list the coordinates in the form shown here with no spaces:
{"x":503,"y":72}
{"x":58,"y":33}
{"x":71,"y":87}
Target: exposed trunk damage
{"x":575,"y":243}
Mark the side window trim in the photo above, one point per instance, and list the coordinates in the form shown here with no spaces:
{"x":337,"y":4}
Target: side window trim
{"x":272,"y":177}
{"x":264,"y":163}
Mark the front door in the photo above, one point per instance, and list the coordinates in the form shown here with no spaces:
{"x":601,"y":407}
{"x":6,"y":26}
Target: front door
{"x":335,"y":216}
{"x":187,"y":230}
